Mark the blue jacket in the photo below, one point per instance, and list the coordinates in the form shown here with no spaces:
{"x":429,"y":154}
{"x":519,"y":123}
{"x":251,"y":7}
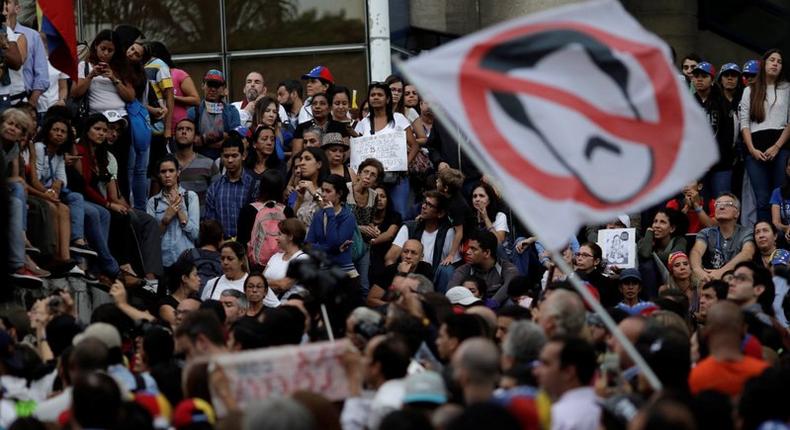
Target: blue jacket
{"x":339,"y":228}
{"x":230,"y":116}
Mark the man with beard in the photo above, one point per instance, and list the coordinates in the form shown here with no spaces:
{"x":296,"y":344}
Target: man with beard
{"x":254,"y":89}
{"x":196,"y":169}
{"x":289,"y":96}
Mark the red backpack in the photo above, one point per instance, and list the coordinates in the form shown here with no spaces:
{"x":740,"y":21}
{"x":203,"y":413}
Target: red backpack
{"x":265,"y":229}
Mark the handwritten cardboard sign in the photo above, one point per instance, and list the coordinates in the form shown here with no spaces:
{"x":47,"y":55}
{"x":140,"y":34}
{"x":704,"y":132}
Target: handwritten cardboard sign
{"x":618,"y":246}
{"x":257,"y":374}
{"x":389,"y":148}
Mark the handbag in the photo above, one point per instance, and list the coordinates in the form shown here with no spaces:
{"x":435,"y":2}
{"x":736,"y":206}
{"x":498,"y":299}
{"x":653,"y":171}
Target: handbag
{"x":139,"y":125}
{"x":421,"y":164}
{"x":80,"y":106}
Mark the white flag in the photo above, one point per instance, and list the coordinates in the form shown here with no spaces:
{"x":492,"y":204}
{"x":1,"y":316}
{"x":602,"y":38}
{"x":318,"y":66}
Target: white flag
{"x":576,"y":113}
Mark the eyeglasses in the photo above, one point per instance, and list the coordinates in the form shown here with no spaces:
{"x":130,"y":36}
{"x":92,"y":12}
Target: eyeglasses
{"x":429,"y":204}
{"x":741,"y":277}
{"x":725,"y":205}
{"x":583,"y":254}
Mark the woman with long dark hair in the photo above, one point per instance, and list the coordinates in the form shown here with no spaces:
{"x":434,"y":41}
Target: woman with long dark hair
{"x":382,"y":119}
{"x":722,"y":121}
{"x":322,"y":118}
{"x":490,"y":217}
{"x":763,"y":115}
{"x":176,"y":210}
{"x":92,"y":169}
{"x":55,"y":140}
{"x":310,"y":170}
{"x":267,"y":114}
{"x":184,"y":281}
{"x":665,"y":236}
{"x":261,"y":155}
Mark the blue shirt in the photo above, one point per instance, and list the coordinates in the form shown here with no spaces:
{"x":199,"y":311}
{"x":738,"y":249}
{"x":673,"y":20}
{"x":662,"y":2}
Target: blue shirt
{"x":784,"y":205}
{"x":225,"y":198}
{"x":36,"y":69}
{"x":176,"y":238}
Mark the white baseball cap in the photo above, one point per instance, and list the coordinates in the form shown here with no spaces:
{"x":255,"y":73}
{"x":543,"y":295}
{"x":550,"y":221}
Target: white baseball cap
{"x":461,"y":296}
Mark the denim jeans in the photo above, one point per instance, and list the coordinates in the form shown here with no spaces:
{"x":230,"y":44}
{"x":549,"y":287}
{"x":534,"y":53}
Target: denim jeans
{"x":363,"y":267}
{"x":17,"y":191}
{"x":76,"y":205}
{"x":399,"y":194}
{"x":16,"y":234}
{"x":719,"y":182}
{"x":765,"y":176}
{"x":441,"y":278}
{"x":97,"y":229}
{"x":138,"y":180}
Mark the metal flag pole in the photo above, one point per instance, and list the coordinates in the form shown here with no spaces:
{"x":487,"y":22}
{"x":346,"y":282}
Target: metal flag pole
{"x":629,"y":348}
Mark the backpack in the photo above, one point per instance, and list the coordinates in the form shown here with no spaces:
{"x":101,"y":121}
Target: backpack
{"x":265,"y":229}
{"x":207,"y":267}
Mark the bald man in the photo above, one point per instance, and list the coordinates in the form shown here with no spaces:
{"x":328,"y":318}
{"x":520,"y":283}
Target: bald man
{"x":726,"y":369}
{"x":409,"y":262}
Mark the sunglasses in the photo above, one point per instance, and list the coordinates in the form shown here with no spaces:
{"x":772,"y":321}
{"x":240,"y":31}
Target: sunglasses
{"x":214,"y":84}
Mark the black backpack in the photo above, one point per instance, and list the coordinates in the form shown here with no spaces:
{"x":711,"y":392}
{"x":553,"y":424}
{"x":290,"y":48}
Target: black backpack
{"x":207,"y":267}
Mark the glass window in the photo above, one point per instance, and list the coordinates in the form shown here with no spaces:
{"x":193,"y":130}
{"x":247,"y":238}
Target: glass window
{"x":267,"y":24}
{"x":185,"y":26}
{"x":349,"y":69}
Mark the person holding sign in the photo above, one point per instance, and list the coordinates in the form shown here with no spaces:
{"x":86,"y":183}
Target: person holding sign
{"x":383,"y":120}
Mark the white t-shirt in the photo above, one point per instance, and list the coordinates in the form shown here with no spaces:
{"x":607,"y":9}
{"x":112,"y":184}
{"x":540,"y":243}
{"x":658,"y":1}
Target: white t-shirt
{"x":17,"y":84}
{"x":276,"y":268}
{"x":428,"y":241}
{"x":102,"y":95}
{"x":306,"y":112}
{"x":51,"y":95}
{"x":411,"y":114}
{"x":212,"y":292}
{"x":500,"y":222}
{"x":400,"y":124}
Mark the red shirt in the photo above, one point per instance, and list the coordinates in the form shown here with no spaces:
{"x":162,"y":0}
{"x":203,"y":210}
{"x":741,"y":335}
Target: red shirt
{"x":88,"y":164}
{"x":695,"y":225}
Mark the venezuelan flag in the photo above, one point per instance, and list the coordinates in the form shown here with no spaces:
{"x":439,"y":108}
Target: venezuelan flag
{"x":56,"y":20}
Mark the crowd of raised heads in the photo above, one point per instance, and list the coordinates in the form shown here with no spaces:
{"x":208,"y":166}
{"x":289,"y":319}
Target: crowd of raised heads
{"x":154,"y":224}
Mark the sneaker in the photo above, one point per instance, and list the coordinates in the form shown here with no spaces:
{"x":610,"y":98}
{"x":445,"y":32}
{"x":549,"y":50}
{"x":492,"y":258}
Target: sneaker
{"x":76,"y":271}
{"x":83,"y":250}
{"x":24,"y":274}
{"x":41,"y":273}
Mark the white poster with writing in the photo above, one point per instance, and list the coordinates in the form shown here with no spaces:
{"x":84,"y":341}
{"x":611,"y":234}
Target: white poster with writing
{"x":618,"y":246}
{"x":389,"y":148}
{"x":257,"y":374}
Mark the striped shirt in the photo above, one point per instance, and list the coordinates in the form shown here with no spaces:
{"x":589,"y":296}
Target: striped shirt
{"x":225,"y":198}
{"x":197,"y":175}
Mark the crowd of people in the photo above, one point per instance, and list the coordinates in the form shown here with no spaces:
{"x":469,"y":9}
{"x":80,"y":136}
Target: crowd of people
{"x":154,"y":224}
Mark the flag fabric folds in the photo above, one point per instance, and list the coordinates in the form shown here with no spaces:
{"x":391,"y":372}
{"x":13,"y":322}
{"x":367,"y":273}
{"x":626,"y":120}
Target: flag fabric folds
{"x":56,"y":20}
{"x":577,"y":114}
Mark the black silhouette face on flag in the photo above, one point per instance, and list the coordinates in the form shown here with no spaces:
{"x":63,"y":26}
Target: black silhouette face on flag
{"x":591,"y":103}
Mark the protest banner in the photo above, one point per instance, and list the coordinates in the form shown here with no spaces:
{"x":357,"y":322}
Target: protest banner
{"x":257,"y":374}
{"x":389,"y":148}
{"x":618,"y":246}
